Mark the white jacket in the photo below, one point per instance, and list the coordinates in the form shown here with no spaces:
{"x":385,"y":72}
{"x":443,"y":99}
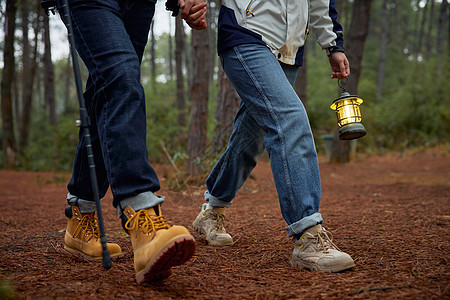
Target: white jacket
{"x":282,"y":25}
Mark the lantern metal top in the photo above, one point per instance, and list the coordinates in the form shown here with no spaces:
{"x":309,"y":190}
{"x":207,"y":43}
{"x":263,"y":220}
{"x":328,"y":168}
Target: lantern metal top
{"x":346,"y":96}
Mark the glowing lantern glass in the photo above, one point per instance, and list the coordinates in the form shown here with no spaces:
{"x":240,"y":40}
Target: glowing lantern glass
{"x":348,"y":116}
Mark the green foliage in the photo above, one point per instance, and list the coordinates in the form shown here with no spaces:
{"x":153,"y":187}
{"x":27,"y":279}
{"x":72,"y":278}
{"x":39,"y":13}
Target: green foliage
{"x":415,"y":108}
{"x":162,"y":127}
{"x":51,"y":149}
{"x":7,"y":290}
{"x":415,"y":114}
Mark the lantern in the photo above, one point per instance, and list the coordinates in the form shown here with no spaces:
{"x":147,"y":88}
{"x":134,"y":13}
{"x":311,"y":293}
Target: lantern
{"x":348,"y":116}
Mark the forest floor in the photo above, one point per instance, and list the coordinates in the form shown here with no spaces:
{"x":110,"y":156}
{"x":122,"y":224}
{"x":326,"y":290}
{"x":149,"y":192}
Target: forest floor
{"x":390,"y":212}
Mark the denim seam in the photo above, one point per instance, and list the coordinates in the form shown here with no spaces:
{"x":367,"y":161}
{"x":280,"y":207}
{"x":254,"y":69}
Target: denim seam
{"x":280,"y":131}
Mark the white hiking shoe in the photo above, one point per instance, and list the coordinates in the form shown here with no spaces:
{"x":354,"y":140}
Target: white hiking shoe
{"x":315,"y":251}
{"x":209,"y":223}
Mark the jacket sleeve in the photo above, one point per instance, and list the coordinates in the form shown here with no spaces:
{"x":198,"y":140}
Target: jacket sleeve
{"x":323,"y":23}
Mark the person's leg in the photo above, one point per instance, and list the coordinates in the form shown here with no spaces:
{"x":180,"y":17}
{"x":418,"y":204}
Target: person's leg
{"x":115,"y":99}
{"x":110,"y":37}
{"x":236,"y":163}
{"x":227,"y":177}
{"x":265,"y":87}
{"x":271,"y":100}
{"x":245,"y":145}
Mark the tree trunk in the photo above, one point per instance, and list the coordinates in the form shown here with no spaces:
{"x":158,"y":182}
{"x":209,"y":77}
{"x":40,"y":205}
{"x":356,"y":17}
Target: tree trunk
{"x":28,"y":93}
{"x":212,"y":33}
{"x":49,"y":80}
{"x":179,"y":50}
{"x":26,"y":57}
{"x":383,"y":46}
{"x":355,"y":42}
{"x":199,"y":102}
{"x":355,"y":47}
{"x":421,"y":30}
{"x":188,"y":63}
{"x":430,"y":30}
{"x":68,"y":73}
{"x":170,"y":48}
{"x":9,"y":141}
{"x":441,"y":37}
{"x":416,"y":29}
{"x":49,"y":91}
{"x":227,"y":106}
{"x":153,"y":58}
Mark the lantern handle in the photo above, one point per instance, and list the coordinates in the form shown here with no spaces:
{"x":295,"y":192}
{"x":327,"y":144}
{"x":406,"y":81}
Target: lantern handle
{"x":340,"y":86}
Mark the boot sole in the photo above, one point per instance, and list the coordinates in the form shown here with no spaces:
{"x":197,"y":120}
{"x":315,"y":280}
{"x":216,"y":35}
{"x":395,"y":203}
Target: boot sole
{"x":176,"y":252}
{"x":84,"y":255}
{"x":313,"y":267}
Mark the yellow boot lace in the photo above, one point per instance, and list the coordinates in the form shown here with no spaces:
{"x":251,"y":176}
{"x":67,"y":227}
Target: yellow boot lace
{"x":87,"y":228}
{"x":146,"y":223}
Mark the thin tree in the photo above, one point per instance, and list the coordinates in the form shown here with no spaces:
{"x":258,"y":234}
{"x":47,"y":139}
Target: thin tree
{"x":355,"y":42}
{"x":188,"y":62}
{"x":199,"y":101}
{"x":170,"y":48}
{"x":49,"y":90}
{"x":428,"y":44}
{"x":212,"y":33}
{"x":27,"y":98}
{"x":179,"y":50}
{"x":9,"y":141}
{"x":422,"y":30}
{"x":441,"y":36}
{"x":227,"y":106}
{"x":153,"y":58}
{"x":49,"y":73}
{"x":383,"y":47}
{"x":68,"y":74}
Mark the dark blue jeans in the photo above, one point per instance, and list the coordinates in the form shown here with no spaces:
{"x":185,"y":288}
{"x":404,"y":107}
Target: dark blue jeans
{"x":110,"y":37}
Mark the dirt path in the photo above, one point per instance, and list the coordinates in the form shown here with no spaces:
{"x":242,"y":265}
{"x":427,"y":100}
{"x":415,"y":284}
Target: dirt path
{"x":390,"y":212}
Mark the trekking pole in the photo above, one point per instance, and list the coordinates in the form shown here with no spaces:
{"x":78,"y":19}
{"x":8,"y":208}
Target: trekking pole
{"x":85,"y":123}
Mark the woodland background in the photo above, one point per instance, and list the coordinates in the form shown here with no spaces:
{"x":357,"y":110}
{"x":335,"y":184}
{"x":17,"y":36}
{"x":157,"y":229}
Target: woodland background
{"x":398,"y":52}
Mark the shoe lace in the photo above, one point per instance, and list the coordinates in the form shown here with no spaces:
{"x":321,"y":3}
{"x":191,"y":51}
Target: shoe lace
{"x":325,"y":240}
{"x":220,"y":221}
{"x":88,"y":227}
{"x":146,"y":222}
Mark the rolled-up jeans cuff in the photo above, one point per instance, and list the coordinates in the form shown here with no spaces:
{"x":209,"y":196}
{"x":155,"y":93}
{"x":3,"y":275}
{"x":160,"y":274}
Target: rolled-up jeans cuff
{"x":140,"y":201}
{"x":300,"y":226}
{"x":85,"y":206}
{"x":216,"y":202}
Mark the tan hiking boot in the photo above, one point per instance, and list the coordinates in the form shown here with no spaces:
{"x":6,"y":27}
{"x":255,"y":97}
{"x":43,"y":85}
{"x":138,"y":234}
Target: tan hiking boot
{"x":83,"y":235}
{"x":157,"y":245}
{"x":315,"y":251}
{"x":210,"y":224}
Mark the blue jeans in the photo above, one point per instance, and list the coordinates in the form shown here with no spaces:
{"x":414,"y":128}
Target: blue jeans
{"x":270,"y":116}
{"x":110,"y":37}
